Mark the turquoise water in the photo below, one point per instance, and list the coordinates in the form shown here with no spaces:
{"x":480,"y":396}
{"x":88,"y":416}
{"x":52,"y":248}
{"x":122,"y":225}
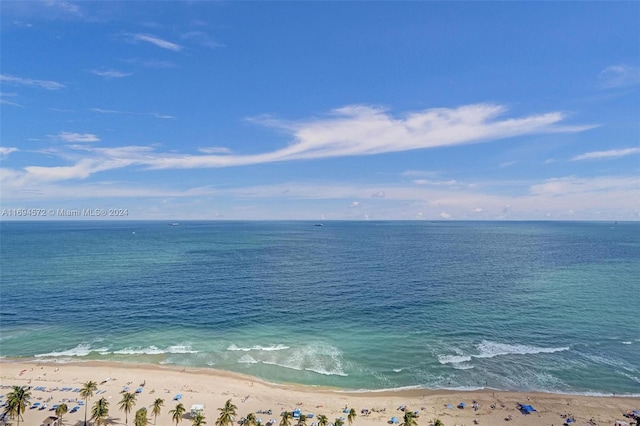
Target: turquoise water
{"x":358,"y":305}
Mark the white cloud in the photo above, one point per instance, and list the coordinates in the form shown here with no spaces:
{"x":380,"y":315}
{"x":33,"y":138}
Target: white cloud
{"x":569,"y":185}
{"x":157,"y":42}
{"x":43,"y":84}
{"x":202,"y":39}
{"x":77,"y":137}
{"x":350,"y":131}
{"x":113,"y":111}
{"x":445,"y":215}
{"x":355,"y":204}
{"x":108,"y":74}
{"x":5,"y":151}
{"x":65,"y":6}
{"x":613,"y":153}
{"x":215,"y":150}
{"x":162,"y":116}
{"x":619,"y":76}
{"x":436,"y":182}
{"x":507,"y":164}
{"x":4,"y":100}
{"x":378,"y":194}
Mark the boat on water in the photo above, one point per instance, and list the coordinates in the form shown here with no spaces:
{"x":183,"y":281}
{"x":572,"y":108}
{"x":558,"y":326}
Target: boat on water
{"x":318,"y":224}
{"x":174,"y":224}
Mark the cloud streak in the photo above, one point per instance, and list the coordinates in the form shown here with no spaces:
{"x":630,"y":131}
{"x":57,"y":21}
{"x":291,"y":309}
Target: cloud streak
{"x":42,"y":84}
{"x":616,"y":76}
{"x":348,"y":131}
{"x":112,"y":111}
{"x":156,"y":41}
{"x":77,"y":137}
{"x":109,"y":74}
{"x":613,"y":153}
{"x":5,"y":151}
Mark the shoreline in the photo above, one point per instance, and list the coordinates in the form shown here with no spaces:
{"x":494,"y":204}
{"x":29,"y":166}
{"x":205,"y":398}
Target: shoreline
{"x":213,"y":387}
{"x":241,"y":376}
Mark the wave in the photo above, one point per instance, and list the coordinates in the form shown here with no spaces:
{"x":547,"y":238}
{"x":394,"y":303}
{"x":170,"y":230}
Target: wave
{"x":313,"y":370}
{"x":278,"y":347}
{"x":453,"y":359}
{"x":492,"y":349}
{"x":487,"y":349}
{"x":154,"y":350}
{"x":85,"y":349}
{"x":247,"y":359}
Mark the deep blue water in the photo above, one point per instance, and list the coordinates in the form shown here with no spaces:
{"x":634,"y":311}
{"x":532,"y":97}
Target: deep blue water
{"x":549,"y":306}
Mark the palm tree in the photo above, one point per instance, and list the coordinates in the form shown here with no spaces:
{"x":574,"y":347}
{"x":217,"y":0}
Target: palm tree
{"x":251,"y":420}
{"x":86,"y":393}
{"x":157,"y":405}
{"x":141,"y":417}
{"x":351,"y":416}
{"x":302,"y":420}
{"x":286,"y":418}
{"x":61,"y":410}
{"x":323,"y":420}
{"x":198,"y":420}
{"x":100,"y":411}
{"x":438,"y":422}
{"x":227,"y":414}
{"x":176,"y":415}
{"x":17,"y":401}
{"x":126,"y":404}
{"x":338,"y":422}
{"x":409,"y":418}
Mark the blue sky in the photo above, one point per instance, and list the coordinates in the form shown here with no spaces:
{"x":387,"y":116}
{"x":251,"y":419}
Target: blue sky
{"x":322,"y":110}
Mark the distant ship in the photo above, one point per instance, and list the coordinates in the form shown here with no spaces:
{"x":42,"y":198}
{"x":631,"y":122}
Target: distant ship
{"x":174,"y":224}
{"x":318,"y":224}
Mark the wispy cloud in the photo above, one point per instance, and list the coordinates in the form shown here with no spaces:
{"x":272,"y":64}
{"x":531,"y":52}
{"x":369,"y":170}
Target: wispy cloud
{"x":4,"y":100}
{"x":571,"y":185}
{"x":619,"y":76}
{"x":108,"y":74}
{"x":349,"y":131}
{"x":5,"y":151}
{"x":150,"y":63}
{"x":43,"y":84}
{"x":612,"y":153}
{"x":436,"y":182}
{"x":507,"y":164}
{"x":202,"y":39}
{"x":113,"y":111}
{"x":65,"y":6}
{"x":157,"y":42}
{"x":215,"y":150}
{"x":77,"y":137}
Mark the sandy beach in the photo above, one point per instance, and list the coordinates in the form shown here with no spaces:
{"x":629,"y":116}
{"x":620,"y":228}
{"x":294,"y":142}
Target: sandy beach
{"x":212,"y":388}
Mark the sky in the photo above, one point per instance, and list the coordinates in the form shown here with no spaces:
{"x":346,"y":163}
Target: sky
{"x":320,"y":110}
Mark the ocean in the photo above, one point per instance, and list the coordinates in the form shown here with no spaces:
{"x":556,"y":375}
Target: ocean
{"x":525,"y":306}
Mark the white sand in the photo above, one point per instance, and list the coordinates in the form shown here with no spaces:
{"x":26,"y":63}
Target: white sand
{"x":213,"y":388}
